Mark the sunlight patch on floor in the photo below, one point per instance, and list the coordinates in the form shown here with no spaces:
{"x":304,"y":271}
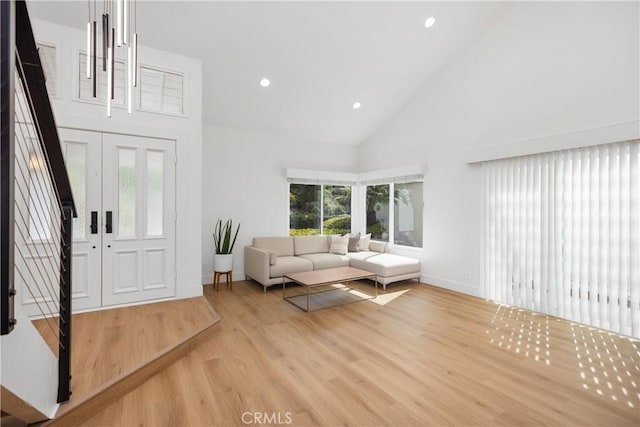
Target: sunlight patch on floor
{"x":603,"y":368}
{"x":522,"y":332}
{"x":388,"y":297}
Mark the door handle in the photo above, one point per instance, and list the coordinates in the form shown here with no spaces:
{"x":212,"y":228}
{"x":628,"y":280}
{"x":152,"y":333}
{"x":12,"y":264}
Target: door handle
{"x":108,"y":225}
{"x":94,"y":222}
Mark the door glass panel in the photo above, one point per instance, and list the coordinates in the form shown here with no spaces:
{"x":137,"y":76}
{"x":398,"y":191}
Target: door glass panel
{"x":126,"y":192}
{"x":76,"y":160}
{"x":39,"y":198}
{"x":155,"y":208}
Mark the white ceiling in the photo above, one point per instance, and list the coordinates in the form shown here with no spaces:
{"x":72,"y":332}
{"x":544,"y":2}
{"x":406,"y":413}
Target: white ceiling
{"x":321,"y":57}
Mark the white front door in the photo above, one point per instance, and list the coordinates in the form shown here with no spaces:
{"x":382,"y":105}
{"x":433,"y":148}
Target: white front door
{"x":124,"y":235}
{"x":82,"y":153}
{"x":138,"y":202}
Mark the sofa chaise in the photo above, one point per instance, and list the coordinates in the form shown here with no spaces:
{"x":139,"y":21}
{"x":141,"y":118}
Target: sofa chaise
{"x":268,"y":259}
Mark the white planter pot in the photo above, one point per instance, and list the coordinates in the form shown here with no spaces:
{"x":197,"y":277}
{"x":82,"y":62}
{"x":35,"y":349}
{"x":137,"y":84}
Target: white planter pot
{"x":222,"y":262}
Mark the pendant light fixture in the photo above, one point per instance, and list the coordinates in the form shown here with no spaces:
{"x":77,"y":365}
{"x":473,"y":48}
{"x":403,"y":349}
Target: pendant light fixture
{"x":116,"y":31}
{"x":134,"y":53}
{"x":105,"y":35}
{"x":91,"y":46}
{"x":119,"y":22}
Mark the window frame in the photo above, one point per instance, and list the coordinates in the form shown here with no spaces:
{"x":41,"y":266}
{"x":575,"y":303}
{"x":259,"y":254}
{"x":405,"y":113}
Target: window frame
{"x":75,"y":96}
{"x":391,"y":207}
{"x":58,"y":64}
{"x":185,"y":85}
{"x":322,"y":217}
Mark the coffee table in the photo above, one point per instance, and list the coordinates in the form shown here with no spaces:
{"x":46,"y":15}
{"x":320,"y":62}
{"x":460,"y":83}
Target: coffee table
{"x":331,"y":280}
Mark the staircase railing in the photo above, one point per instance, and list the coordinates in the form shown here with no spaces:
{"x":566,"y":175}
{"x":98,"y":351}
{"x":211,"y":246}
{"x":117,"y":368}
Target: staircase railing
{"x":37,"y":201}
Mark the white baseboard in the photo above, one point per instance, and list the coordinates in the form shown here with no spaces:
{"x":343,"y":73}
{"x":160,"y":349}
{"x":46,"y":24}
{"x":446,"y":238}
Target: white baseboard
{"x":452,"y":285}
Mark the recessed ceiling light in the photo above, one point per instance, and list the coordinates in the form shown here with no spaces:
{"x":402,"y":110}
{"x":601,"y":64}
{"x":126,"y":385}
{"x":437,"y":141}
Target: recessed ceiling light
{"x":356,"y":105}
{"x":429,"y":22}
{"x":265,"y":82}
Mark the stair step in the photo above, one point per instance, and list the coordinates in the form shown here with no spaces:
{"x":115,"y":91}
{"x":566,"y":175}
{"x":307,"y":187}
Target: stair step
{"x":77,"y":411}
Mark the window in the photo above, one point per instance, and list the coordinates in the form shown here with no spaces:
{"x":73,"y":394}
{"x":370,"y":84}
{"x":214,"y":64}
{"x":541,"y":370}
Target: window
{"x":48,"y":59}
{"x":407,"y":214}
{"x":336,"y":209}
{"x":378,"y":211}
{"x":405,"y":226}
{"x":85,"y":85}
{"x":562,"y":234}
{"x":161,"y":91}
{"x":319,"y":209}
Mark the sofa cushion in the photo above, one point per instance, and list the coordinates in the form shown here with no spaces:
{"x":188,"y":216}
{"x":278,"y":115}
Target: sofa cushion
{"x":387,"y":264}
{"x":339,"y":245}
{"x":282,"y":246}
{"x":362,"y":255}
{"x":322,"y":261}
{"x":310,"y":244}
{"x":290,"y":264}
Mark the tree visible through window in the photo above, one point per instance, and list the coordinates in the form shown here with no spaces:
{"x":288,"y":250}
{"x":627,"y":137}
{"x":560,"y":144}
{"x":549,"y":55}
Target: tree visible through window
{"x":319,"y":209}
{"x":304,"y":209}
{"x":378,"y":211}
{"x":405,"y":226}
{"x":336,"y":209}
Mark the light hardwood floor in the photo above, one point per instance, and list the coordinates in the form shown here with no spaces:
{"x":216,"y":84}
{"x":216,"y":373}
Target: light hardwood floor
{"x":418,"y":355}
{"x":108,"y":343}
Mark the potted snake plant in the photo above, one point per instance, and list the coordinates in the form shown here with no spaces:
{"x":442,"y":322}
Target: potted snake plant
{"x":222,"y":233}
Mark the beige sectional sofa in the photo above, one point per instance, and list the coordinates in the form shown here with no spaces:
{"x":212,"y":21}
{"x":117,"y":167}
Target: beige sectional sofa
{"x":268,"y":259}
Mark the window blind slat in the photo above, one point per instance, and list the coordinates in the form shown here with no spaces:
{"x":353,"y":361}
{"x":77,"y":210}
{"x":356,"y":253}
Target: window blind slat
{"x":161,"y":91}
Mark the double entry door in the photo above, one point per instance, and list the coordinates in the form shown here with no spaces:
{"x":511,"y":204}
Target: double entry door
{"x":124,"y":235}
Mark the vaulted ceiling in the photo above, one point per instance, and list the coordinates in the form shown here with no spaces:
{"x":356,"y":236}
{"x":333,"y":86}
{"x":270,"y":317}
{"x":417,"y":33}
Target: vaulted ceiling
{"x":321,"y":57}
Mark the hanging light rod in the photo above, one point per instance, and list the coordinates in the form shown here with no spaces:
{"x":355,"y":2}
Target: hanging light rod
{"x":119,"y":20}
{"x":109,"y":79}
{"x":125,"y":27}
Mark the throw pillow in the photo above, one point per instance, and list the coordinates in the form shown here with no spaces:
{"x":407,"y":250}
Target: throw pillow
{"x":339,"y":245}
{"x":354,"y":242}
{"x":364,"y":242}
{"x":378,"y":247}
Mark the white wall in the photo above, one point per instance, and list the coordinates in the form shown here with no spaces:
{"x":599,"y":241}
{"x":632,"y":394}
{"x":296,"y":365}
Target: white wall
{"x":244,"y":178}
{"x":186,"y":131}
{"x":542,"y":69}
{"x":28,"y":368}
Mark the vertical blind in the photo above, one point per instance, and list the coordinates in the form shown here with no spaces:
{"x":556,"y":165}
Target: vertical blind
{"x":562,"y":234}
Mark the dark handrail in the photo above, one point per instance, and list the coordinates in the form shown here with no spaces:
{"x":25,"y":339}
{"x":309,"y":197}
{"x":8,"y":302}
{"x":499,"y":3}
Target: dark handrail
{"x":7,"y":155}
{"x":31,"y":72}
